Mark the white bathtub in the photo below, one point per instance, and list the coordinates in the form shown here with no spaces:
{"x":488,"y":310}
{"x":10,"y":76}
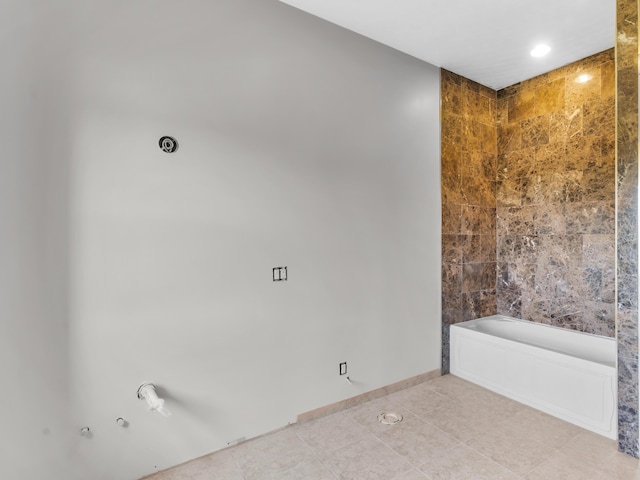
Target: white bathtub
{"x":568,"y":374}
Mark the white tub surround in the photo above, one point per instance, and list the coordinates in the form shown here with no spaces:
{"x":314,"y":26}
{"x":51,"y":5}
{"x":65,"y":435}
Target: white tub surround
{"x":568,"y":374}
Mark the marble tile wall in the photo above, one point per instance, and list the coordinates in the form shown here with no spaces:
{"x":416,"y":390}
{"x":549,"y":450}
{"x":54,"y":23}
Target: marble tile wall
{"x":627,"y":224}
{"x":469,"y":153}
{"x":555,"y":197}
{"x":561,"y":251}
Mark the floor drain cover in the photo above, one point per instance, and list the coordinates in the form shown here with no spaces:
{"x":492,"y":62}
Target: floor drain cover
{"x":389,"y":418}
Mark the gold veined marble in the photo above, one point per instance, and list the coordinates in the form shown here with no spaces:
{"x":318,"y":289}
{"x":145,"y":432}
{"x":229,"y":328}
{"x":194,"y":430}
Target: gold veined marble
{"x":583,"y":85}
{"x":532,"y":165}
{"x":555,"y":186}
{"x":550,"y":97}
{"x":608,"y":79}
{"x":469,"y":172}
{"x":509,"y":137}
{"x":521,"y":106}
{"x":535,"y":131}
{"x":529,"y":173}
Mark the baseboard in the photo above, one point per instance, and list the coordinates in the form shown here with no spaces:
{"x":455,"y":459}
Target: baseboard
{"x":367,"y":396}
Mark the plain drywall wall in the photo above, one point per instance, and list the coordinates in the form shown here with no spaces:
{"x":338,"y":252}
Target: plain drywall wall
{"x":34,"y":370}
{"x":302,"y":145}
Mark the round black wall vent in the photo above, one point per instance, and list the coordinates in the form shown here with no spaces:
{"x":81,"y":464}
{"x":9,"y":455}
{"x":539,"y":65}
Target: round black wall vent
{"x":168,"y":144}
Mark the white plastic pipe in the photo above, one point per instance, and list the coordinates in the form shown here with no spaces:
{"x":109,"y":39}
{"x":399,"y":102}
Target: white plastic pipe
{"x":147,"y":391}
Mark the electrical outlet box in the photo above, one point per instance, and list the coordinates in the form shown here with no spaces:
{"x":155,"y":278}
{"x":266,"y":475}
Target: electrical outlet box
{"x":343,"y":368}
{"x":279,"y":274}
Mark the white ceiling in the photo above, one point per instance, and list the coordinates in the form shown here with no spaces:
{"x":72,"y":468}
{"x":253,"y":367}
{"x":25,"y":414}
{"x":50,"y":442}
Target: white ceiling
{"x":486,"y":41}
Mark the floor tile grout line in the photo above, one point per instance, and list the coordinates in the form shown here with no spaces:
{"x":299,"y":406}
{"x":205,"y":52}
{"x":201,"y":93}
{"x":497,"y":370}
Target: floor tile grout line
{"x":556,"y":451}
{"x":498,"y":463}
{"x":548,"y":457}
{"x":490,"y":459}
{"x":366,"y":431}
{"x":315,"y":455}
{"x":405,"y":459}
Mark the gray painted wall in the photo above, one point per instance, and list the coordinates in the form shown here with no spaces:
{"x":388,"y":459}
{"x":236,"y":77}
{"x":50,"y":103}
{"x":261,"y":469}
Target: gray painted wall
{"x":301,"y":144}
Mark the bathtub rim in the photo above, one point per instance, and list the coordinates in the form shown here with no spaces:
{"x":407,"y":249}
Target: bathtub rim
{"x":612,"y":363}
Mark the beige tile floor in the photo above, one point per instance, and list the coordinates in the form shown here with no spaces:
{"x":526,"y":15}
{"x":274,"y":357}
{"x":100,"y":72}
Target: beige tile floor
{"x":452,"y":430}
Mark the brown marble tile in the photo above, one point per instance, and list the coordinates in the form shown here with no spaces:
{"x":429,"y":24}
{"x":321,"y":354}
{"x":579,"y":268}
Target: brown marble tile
{"x":478,"y":190}
{"x":478,"y":304}
{"x":488,"y":302}
{"x":599,"y":116}
{"x":608,"y":150}
{"x":470,"y":85}
{"x":451,"y":308}
{"x":509,"y":137}
{"x":520,"y":249}
{"x":599,"y":319}
{"x":472,"y":135}
{"x":451,"y":159}
{"x":509,"y":91}
{"x":627,"y":121}
{"x":477,"y":220}
{"x":509,"y":302}
{"x":479,"y":164}
{"x":566,"y":124}
{"x":502,"y":221}
{"x":521,"y":106}
{"x":451,"y":218}
{"x":471,"y":101}
{"x":521,"y":220}
{"x":478,"y":248}
{"x":490,"y":93}
{"x":573,"y":185}
{"x":550,"y":157}
{"x":550,"y":97}
{"x":487,"y":108}
{"x":561,"y":195}
{"x":451,"y":278}
{"x":488,"y":138}
{"x":608,"y":79}
{"x":535,"y":131}
{"x":450,"y":93}
{"x":599,"y":184}
{"x":509,"y":164}
{"x":544,"y":79}
{"x":478,"y":276}
{"x":590,"y":218}
{"x":553,"y":211}
{"x":452,"y":248}
{"x":509,"y":193}
{"x":502,"y":108}
{"x":550,"y":220}
{"x":598,"y":251}
{"x":524,"y":276}
{"x":451,"y":193}
{"x":502,"y":170}
{"x":489,"y":162}
{"x":544,"y":189}
{"x":583,"y":86}
{"x":593,"y":285}
{"x":583,"y":152}
{"x":452,"y":129}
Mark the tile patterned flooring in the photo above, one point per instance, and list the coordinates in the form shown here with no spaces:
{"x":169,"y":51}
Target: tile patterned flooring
{"x":452,"y":430}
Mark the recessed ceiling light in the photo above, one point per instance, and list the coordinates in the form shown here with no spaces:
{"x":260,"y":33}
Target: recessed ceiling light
{"x":585,"y":77}
{"x":540,"y":50}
